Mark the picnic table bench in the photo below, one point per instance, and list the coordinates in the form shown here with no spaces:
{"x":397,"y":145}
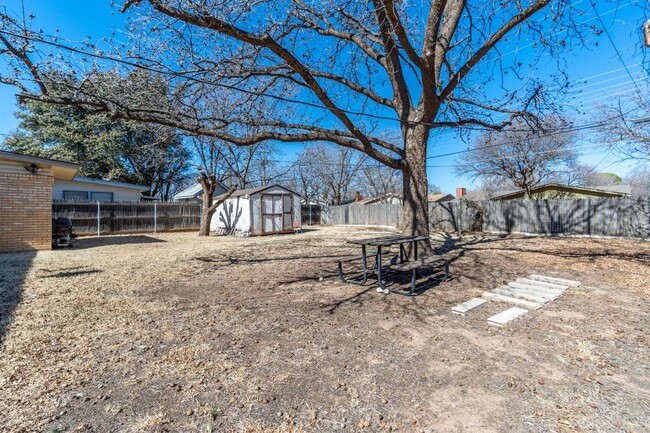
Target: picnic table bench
{"x":415,"y":265}
{"x":404,"y":265}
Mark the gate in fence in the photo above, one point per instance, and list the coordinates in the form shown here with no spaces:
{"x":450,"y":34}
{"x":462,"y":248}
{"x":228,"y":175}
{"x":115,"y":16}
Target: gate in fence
{"x":310,"y":214}
{"x":128,"y":217}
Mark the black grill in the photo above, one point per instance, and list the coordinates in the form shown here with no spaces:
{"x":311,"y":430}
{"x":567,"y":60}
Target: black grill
{"x":62,"y":232}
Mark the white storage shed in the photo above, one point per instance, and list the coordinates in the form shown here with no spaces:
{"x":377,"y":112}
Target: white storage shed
{"x":265,"y":210}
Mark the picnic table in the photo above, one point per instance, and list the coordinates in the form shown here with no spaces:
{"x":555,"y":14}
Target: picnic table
{"x":405,"y":264}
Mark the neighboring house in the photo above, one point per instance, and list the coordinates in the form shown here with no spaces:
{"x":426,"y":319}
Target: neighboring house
{"x":87,"y":189}
{"x":271,"y":209}
{"x":440,"y":198}
{"x":193,"y":194}
{"x":26,"y":199}
{"x":29,"y":184}
{"x":389,"y":198}
{"x":559,"y":191}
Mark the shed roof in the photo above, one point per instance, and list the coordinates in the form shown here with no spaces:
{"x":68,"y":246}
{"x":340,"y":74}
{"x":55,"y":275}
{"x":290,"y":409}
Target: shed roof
{"x":251,"y":191}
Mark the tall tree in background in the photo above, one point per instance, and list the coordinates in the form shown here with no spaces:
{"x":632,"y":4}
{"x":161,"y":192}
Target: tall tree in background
{"x":629,"y":138}
{"x":335,"y":169}
{"x":379,"y":181}
{"x":105,"y":148}
{"x":596,"y":178}
{"x":523,"y":155}
{"x":639,"y":181}
{"x":337,"y":75}
{"x":209,"y":156}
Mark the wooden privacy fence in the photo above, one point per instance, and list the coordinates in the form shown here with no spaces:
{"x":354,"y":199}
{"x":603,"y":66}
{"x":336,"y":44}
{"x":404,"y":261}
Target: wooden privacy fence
{"x":618,"y":217}
{"x":128,"y":217}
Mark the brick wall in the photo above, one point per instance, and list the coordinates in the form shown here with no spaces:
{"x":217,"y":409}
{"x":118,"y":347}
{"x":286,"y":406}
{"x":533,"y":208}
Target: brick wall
{"x":25,"y":212}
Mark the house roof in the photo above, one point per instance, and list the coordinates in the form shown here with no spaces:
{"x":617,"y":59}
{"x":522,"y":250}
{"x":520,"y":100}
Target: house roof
{"x":371,"y":200}
{"x":110,"y":183}
{"x":434,"y":198}
{"x":60,"y":169}
{"x":599,"y":191}
{"x":250,"y":191}
{"x":194,"y":191}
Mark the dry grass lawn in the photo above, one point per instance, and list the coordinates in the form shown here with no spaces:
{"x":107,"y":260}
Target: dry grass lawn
{"x":170,"y":332}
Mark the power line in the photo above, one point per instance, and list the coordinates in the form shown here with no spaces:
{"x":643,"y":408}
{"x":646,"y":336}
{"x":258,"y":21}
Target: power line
{"x":573,"y":129}
{"x":516,"y":50}
{"x":576,"y":89}
{"x":221,"y":85}
{"x":618,"y":53}
{"x":209,"y":83}
{"x":608,"y":72}
{"x":603,"y":89}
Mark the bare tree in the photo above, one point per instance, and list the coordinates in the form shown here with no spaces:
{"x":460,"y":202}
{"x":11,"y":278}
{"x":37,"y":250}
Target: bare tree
{"x":209,"y":155}
{"x":333,"y":77}
{"x":335,"y":168}
{"x":627,"y":130}
{"x":527,"y":156}
{"x":379,"y":181}
{"x":639,"y":180}
{"x":305,"y":180}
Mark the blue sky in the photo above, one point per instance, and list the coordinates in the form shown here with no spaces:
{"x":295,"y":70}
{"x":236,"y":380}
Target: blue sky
{"x":598,"y":73}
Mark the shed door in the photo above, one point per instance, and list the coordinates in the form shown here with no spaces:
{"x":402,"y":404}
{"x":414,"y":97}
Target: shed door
{"x":287,"y":212}
{"x":276,"y":213}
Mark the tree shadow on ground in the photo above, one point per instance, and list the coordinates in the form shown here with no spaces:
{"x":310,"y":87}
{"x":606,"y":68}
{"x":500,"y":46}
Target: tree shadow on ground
{"x":354,"y":298}
{"x":103,"y":241}
{"x":244,"y":261}
{"x":459,"y":245}
{"x":68,"y":274}
{"x":13,"y":271}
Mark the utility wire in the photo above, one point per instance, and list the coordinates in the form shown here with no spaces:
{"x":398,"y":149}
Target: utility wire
{"x":618,"y":53}
{"x":573,"y":129}
{"x":210,"y":83}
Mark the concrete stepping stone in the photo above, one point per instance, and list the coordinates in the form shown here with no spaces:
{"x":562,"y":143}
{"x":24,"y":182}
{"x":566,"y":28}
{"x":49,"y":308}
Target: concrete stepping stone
{"x":518,"y":293}
{"x":541,"y":283}
{"x":561,"y":281}
{"x":537,"y":291}
{"x":468,"y":306}
{"x":517,"y":301}
{"x":505,"y":317}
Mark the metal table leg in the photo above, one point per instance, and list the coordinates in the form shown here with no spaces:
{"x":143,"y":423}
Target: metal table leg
{"x":382,"y":288}
{"x":363,"y":265}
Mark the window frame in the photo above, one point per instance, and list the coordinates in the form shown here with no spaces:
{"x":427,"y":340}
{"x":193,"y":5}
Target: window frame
{"x":90,"y":195}
{"x":65,"y":191}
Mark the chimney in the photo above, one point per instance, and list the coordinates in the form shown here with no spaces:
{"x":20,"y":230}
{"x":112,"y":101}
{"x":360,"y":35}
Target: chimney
{"x":460,"y":192}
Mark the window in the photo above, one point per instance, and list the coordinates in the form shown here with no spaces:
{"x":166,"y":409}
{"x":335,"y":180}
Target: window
{"x":75,"y":195}
{"x":101,"y":196}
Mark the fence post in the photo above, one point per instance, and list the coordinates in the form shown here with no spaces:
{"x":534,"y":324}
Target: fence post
{"x":99,"y":218}
{"x":155,"y":216}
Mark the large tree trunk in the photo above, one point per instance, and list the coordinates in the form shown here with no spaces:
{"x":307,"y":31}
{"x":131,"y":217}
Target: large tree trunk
{"x":415,"y":215}
{"x":209,"y":184}
{"x":206,"y":214}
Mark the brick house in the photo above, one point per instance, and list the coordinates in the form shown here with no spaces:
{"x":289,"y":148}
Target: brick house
{"x":26,"y":200}
{"x":28,"y":185}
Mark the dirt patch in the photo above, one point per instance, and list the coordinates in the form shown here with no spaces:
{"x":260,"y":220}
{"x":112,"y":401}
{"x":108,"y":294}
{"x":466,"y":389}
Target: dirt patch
{"x":172,"y":332}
